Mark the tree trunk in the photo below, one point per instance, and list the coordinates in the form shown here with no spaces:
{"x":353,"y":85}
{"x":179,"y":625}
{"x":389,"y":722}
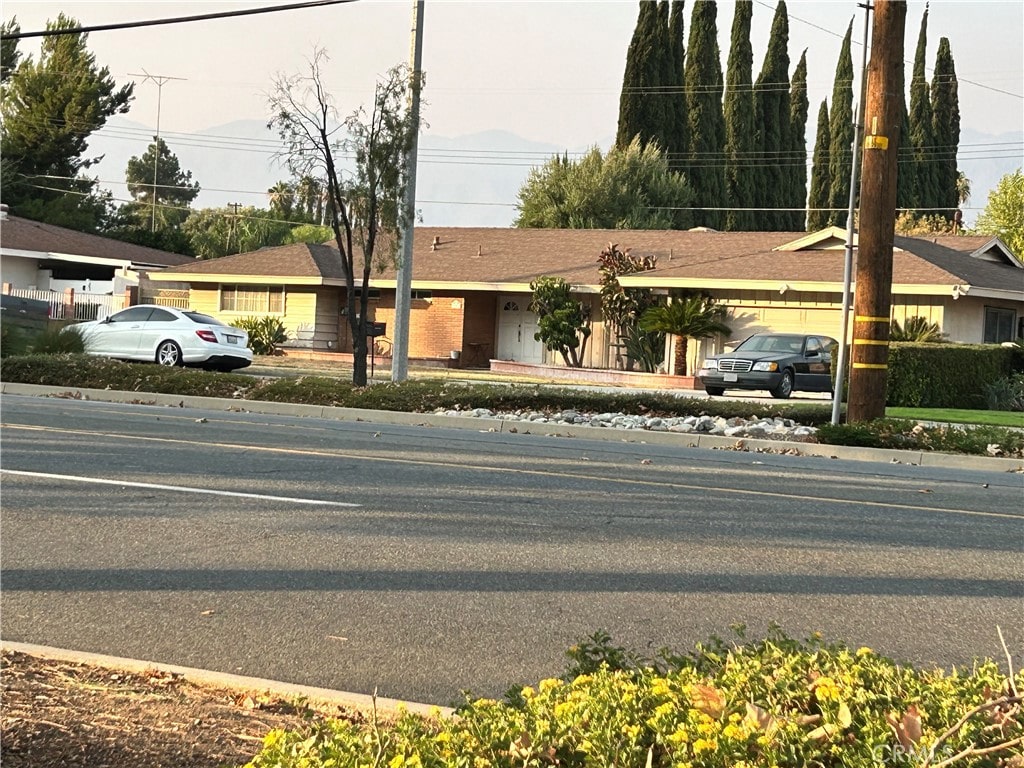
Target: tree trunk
{"x":680,"y":355}
{"x":359,"y":360}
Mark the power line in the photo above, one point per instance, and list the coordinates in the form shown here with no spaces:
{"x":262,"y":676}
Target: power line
{"x":173,"y":20}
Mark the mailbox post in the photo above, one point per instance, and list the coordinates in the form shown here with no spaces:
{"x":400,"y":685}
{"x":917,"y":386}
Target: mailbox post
{"x":373,"y":330}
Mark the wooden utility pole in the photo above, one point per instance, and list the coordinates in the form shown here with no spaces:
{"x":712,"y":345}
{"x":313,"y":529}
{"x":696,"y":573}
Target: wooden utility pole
{"x":873,"y":300}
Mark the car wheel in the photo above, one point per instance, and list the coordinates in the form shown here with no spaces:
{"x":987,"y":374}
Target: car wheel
{"x":168,"y":353}
{"x":714,"y":391}
{"x":785,"y":388}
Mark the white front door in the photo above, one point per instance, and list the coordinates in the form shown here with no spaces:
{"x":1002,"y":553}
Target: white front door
{"x":516,"y":328}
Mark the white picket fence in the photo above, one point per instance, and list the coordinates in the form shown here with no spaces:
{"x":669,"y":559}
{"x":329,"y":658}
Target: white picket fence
{"x":87,"y":306}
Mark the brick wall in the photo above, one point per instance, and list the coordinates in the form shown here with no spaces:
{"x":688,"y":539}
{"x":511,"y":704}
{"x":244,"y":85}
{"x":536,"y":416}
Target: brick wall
{"x":435,"y":325}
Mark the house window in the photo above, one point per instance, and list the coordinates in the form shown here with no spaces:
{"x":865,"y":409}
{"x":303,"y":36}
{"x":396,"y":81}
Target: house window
{"x":373,"y":293}
{"x":261,"y":299}
{"x":999,"y":325}
{"x":422,"y":295}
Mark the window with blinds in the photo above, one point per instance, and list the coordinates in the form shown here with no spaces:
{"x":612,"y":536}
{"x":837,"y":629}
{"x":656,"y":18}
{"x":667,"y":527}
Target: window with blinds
{"x":259,"y":299}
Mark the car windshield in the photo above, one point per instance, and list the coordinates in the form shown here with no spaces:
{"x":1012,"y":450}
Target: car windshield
{"x":786,"y":344}
{"x":199,"y":317}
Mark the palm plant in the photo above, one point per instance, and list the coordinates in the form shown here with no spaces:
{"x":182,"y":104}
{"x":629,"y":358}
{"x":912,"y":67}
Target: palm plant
{"x":688,"y":317}
{"x":916,"y":329}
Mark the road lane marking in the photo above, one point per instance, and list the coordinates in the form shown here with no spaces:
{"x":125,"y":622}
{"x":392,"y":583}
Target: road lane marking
{"x":179,"y":488}
{"x":355,"y":456}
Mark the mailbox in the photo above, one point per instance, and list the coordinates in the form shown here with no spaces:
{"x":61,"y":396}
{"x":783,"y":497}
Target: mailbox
{"x":376,"y":329}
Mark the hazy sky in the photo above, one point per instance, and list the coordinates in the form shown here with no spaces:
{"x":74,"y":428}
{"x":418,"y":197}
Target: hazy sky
{"x":549,"y":70}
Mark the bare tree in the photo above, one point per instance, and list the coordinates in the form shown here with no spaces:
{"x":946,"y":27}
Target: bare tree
{"x":365,"y":202}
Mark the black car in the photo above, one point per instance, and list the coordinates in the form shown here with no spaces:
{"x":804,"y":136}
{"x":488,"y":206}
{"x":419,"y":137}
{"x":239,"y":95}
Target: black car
{"x":779,"y":362}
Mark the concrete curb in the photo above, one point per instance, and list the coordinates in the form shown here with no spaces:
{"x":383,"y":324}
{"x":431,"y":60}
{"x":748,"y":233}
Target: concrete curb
{"x":357,"y":701}
{"x":686,"y":439}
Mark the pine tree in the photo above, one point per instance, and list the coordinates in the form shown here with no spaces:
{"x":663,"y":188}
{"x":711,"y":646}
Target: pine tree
{"x":664,"y":95}
{"x":706,"y":120}
{"x":817,"y":202}
{"x":677,"y":140}
{"x":841,"y":135}
{"x":771,"y":119}
{"x":175,"y":189}
{"x":741,"y":171}
{"x":50,"y":107}
{"x":797,"y":162}
{"x":640,"y":111}
{"x":946,"y":130}
{"x":920,"y":138}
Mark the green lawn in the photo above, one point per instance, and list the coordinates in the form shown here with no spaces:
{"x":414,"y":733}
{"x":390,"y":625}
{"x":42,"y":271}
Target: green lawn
{"x":960,"y":416}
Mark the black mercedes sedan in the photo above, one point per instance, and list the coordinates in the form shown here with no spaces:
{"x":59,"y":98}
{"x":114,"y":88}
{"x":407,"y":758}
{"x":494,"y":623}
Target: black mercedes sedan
{"x":781,"y":363}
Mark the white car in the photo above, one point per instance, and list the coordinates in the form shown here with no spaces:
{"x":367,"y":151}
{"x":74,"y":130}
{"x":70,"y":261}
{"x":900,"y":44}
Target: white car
{"x":167,"y":336}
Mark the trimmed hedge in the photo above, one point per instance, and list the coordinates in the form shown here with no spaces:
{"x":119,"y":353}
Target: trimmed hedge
{"x":947,"y":375}
{"x":930,"y":375}
{"x":776,"y":702}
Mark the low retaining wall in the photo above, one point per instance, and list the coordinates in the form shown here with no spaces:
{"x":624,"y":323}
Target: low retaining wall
{"x":596,"y":376}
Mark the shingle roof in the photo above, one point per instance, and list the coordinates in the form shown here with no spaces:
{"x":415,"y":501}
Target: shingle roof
{"x":27,"y":235}
{"x":520,"y":255}
{"x":300,"y":260}
{"x":492,"y":256}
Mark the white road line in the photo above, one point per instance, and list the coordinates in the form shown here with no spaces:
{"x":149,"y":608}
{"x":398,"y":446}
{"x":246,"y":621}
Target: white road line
{"x":180,"y":488}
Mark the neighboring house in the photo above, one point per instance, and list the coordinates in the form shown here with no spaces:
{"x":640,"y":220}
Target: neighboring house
{"x":471,"y":286}
{"x":42,"y":257}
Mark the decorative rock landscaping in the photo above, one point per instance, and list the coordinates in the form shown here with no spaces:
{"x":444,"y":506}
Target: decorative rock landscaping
{"x":771,"y":429}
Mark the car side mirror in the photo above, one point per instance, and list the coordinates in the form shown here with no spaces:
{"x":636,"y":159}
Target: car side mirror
{"x":105,"y":319}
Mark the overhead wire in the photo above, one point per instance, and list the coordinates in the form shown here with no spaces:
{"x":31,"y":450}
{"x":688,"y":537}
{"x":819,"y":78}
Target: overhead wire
{"x":173,"y":20}
{"x":493,"y":158}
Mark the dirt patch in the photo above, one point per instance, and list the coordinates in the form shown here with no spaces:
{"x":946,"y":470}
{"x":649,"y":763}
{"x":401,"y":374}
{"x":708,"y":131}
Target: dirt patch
{"x":58,"y":713}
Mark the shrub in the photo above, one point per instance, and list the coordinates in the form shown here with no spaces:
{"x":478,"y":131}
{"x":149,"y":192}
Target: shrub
{"x":1006,"y":394}
{"x":907,"y":435}
{"x":13,"y":340}
{"x":767,"y":703}
{"x":58,"y":340}
{"x":945,"y":375}
{"x":104,"y":373}
{"x":266,"y":333}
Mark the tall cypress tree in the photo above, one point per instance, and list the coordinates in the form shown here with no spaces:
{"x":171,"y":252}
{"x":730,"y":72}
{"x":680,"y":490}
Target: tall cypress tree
{"x":921,"y":138}
{"x":703,"y":78}
{"x":817,"y":201}
{"x":841,"y":135}
{"x":907,"y":193}
{"x":640,"y":111}
{"x":946,"y":129}
{"x":771,"y":124}
{"x":741,"y":166}
{"x":664,"y":94}
{"x":797,"y":161}
{"x":677,"y":142}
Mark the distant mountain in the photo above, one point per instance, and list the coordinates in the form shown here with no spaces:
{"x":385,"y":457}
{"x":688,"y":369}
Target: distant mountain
{"x":465,"y":181}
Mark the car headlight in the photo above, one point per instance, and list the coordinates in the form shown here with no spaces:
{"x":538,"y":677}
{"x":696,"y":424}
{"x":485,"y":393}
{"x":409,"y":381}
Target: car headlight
{"x":766,"y":366}
{"x":711,"y":365}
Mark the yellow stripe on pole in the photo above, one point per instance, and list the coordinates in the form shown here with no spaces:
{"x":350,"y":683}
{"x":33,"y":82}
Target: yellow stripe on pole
{"x":872,"y":366}
{"x":871,"y":319}
{"x":876,"y":342}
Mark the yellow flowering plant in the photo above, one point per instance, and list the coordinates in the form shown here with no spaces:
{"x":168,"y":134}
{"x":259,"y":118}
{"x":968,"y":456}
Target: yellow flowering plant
{"x":762,"y":704}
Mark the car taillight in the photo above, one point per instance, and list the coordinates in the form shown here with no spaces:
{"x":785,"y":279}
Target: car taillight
{"x":207,"y":335}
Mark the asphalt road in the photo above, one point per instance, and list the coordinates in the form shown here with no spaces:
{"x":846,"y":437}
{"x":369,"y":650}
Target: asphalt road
{"x":419,"y":562}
